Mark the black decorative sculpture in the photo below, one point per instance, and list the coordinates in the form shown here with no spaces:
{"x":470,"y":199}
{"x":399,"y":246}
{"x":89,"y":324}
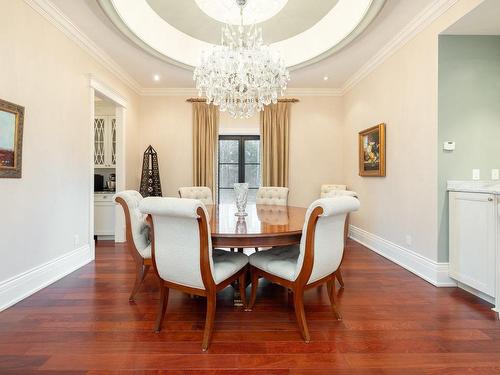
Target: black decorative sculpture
{"x":150,"y":180}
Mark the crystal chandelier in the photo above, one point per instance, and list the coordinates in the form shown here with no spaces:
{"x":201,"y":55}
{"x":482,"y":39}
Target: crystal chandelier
{"x":241,"y":75}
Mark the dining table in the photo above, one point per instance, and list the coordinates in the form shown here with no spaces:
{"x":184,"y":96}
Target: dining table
{"x":263,"y":226}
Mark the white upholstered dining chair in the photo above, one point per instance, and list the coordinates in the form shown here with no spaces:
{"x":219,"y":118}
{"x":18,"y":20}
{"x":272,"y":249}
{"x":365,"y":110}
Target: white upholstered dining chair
{"x":201,"y":193}
{"x":272,"y":196}
{"x":312,"y":263}
{"x":183,"y":257}
{"x":327,"y":188}
{"x":137,"y":235}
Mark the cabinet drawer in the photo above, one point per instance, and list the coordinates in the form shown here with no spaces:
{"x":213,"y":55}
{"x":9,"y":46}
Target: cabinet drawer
{"x":107,"y":197}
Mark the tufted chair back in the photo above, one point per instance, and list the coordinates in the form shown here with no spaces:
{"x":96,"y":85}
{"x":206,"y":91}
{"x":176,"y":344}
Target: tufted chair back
{"x":130,"y":200}
{"x":201,"y":193}
{"x":273,"y":196}
{"x":325,"y":189}
{"x":328,"y":245}
{"x":340,"y":193}
{"x":176,"y":243}
{"x":273,"y":214}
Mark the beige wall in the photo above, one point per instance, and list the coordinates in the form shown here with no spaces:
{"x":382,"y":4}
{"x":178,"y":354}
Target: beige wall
{"x":166,"y":124}
{"x":401,"y":92}
{"x":315,"y":147}
{"x":48,"y":74}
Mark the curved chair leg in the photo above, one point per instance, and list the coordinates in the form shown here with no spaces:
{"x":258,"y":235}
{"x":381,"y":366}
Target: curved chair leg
{"x":255,"y":285}
{"x":141,"y":272}
{"x":209,"y":321}
{"x":298,"y":302}
{"x":243,"y":287}
{"x":338,"y":275}
{"x":162,"y":307}
{"x":332,"y":296}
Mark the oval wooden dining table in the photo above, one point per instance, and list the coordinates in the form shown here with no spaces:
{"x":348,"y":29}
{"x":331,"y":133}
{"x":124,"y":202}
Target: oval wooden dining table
{"x":264,"y":226}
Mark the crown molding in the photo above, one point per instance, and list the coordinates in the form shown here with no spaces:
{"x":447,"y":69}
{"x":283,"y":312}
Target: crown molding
{"x":420,"y":22}
{"x":313,"y":92}
{"x":52,"y":14}
{"x":186,"y":91}
{"x":168,"y":91}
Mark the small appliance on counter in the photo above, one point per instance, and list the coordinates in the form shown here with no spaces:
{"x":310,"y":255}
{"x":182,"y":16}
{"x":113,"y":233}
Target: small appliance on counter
{"x":111,"y":182}
{"x":98,"y":182}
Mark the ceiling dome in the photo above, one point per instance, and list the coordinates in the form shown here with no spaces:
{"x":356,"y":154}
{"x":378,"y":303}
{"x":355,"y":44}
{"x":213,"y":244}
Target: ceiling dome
{"x":303,"y":31}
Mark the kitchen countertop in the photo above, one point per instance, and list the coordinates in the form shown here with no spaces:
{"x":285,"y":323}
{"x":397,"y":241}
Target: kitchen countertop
{"x":480,"y":186}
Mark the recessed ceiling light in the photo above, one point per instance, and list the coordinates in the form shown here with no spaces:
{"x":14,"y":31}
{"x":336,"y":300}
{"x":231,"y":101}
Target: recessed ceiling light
{"x":156,"y":77}
{"x":325,"y":78}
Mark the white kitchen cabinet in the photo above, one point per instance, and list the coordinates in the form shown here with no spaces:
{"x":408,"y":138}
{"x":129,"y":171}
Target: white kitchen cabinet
{"x":473,"y":231}
{"x":104,"y":142}
{"x":104,"y":214}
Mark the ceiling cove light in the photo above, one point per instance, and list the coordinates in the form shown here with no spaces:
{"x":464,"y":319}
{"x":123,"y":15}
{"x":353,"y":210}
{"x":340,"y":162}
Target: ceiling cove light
{"x":241,"y":75}
{"x":228,"y":11}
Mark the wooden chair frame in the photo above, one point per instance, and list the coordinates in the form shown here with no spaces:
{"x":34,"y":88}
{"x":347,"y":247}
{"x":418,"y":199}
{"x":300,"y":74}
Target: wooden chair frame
{"x":346,"y":236}
{"x":142,"y":265}
{"x":211,"y":288}
{"x":298,"y":286}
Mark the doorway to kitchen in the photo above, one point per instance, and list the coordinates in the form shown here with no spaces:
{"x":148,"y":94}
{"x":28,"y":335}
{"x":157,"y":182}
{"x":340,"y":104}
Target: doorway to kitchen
{"x":107,"y":162}
{"x":104,"y":168}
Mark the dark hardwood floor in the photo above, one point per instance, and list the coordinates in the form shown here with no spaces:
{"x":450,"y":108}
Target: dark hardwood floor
{"x":394,"y":323}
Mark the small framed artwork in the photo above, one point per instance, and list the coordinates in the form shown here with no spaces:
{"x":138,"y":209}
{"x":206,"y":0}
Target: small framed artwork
{"x":372,"y":151}
{"x":11,"y":139}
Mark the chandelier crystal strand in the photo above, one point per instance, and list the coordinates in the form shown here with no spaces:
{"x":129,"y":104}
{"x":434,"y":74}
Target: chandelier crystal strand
{"x":241,"y":75}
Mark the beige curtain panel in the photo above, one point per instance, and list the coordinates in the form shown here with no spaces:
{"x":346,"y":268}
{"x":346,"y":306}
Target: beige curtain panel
{"x":205,"y":140}
{"x":275,"y":138}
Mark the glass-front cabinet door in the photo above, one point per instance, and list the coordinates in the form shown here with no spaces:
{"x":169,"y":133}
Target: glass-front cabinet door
{"x":104,"y":141}
{"x":113,"y":141}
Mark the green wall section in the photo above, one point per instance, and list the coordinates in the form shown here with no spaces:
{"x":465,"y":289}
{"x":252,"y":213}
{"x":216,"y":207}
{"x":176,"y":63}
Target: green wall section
{"x":469,"y":114}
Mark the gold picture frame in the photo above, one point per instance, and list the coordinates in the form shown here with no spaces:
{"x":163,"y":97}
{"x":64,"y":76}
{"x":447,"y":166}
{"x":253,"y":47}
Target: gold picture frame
{"x":372,"y":151}
{"x":11,"y":139}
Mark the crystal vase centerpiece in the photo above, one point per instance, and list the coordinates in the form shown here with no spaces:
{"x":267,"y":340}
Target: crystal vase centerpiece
{"x":241,"y":195}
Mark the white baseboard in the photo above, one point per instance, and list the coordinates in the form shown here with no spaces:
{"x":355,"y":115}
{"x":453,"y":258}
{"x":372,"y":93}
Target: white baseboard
{"x":23,"y":285}
{"x":433,"y":272}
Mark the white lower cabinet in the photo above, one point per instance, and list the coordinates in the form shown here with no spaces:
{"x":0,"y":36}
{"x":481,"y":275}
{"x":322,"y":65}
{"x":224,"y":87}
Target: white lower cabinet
{"x":473,"y":235}
{"x":104,"y":215}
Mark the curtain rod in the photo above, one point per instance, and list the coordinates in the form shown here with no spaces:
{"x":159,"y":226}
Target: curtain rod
{"x":283,"y":100}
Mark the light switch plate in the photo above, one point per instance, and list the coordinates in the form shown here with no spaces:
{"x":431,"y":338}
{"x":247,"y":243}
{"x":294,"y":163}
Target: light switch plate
{"x":476,"y":174}
{"x":494,"y":174}
{"x":449,"y":146}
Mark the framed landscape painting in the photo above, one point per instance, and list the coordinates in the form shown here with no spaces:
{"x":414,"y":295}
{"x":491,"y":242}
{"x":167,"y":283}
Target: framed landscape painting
{"x":372,"y":151}
{"x":11,"y":139}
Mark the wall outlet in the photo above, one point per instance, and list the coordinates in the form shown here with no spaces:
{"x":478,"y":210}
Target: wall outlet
{"x":76,"y":240}
{"x":494,"y":174}
{"x":409,"y":240}
{"x":476,"y":174}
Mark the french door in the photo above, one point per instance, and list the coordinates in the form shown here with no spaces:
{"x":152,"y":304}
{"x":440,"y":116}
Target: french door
{"x":239,"y":161}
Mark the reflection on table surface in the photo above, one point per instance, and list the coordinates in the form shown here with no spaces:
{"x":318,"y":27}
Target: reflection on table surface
{"x":261,"y":219}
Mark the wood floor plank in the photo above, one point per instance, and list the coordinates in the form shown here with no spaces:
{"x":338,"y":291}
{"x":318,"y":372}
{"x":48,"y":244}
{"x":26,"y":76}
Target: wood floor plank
{"x":393,"y":323}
